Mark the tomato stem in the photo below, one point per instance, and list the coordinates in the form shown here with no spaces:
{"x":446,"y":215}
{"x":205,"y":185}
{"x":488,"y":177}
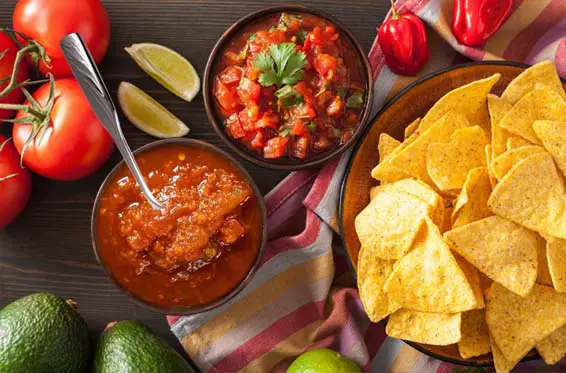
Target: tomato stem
{"x":394,"y":15}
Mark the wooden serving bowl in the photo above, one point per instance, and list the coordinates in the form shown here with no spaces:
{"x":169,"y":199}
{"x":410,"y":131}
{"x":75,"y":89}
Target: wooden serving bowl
{"x":409,"y":104}
{"x":284,"y":164}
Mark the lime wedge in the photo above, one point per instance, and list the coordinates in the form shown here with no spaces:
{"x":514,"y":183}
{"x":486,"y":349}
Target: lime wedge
{"x":168,"y":67}
{"x":149,"y":115}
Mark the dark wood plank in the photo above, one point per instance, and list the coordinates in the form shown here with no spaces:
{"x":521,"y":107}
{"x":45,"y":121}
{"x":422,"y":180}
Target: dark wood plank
{"x":48,"y":248}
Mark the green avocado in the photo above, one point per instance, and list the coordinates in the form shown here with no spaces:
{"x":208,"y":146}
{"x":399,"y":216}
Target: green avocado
{"x":42,"y":333}
{"x":130,"y":347}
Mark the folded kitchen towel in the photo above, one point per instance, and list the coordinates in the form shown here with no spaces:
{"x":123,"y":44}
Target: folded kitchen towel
{"x":302,"y":296}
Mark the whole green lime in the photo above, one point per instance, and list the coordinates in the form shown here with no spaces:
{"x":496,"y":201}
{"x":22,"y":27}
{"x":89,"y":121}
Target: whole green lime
{"x":323,"y":361}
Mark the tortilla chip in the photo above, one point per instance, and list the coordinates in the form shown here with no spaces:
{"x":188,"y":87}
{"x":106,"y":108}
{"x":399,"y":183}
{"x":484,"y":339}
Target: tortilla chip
{"x":386,"y":145}
{"x":518,"y":323}
{"x":542,"y":73}
{"x":488,"y":158}
{"x":469,"y":100}
{"x":428,"y":279}
{"x":540,"y":104}
{"x":502,"y":365}
{"x":390,"y":223}
{"x":532,"y":194}
{"x":372,"y":272}
{"x":471,"y":204}
{"x":440,"y":329}
{"x":556,"y":257}
{"x":515,"y":142}
{"x":473,"y":277}
{"x":553,"y":347}
{"x":543,"y":276}
{"x":374,"y":191}
{"x":412,"y":159}
{"x":475,"y":335}
{"x":447,"y":219}
{"x":501,"y":249}
{"x":497,"y":110}
{"x":448,"y":164}
{"x":552,"y":134}
{"x":502,"y":164}
{"x":412,"y":127}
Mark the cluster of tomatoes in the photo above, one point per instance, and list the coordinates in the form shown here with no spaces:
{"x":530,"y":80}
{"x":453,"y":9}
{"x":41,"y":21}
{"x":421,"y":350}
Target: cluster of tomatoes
{"x":55,"y":133}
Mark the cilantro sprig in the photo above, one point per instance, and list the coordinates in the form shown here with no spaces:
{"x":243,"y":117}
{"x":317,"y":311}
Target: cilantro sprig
{"x":281,"y":64}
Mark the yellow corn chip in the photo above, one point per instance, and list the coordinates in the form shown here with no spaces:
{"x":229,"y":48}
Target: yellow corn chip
{"x":448,"y":164}
{"x":515,"y":142}
{"x":540,"y":104}
{"x":556,"y":257}
{"x":389,"y":224}
{"x":518,"y":323}
{"x":553,"y":138}
{"x":473,"y":277}
{"x":532,"y":194}
{"x":475,"y":335}
{"x":471,"y":204}
{"x":412,"y":159}
{"x":497,"y":110}
{"x":543,"y":276}
{"x":411,"y":128}
{"x":501,"y":249}
{"x":502,"y":164}
{"x":386,"y":145}
{"x":372,"y":274}
{"x":542,"y":73}
{"x":553,"y":347}
{"x":488,"y":158}
{"x":428,"y":279}
{"x":469,"y":100}
{"x":439,"y":329}
{"x":502,"y":365}
{"x":447,"y":219}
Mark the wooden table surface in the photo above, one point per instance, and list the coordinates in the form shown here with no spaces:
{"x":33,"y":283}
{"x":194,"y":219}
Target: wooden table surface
{"x":48,"y":248}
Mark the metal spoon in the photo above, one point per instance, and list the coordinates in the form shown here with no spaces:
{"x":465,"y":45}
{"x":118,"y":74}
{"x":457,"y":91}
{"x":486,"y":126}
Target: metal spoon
{"x":85,"y":71}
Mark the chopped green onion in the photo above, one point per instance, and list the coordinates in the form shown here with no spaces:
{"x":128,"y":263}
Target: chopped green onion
{"x":289,"y":96}
{"x":312,"y":126}
{"x":285,"y":132}
{"x":340,"y":92}
{"x":356,"y":100}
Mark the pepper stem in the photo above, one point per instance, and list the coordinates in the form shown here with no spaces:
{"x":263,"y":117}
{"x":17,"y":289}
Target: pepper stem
{"x":395,"y":15}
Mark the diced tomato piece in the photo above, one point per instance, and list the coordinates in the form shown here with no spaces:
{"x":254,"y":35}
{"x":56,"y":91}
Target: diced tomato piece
{"x":323,"y":98}
{"x":258,"y":142}
{"x":251,"y":72}
{"x":232,"y":58}
{"x":305,"y":112}
{"x":269,"y":119}
{"x":304,"y":90}
{"x":234,"y":126}
{"x":300,"y":147}
{"x":330,"y":34}
{"x":321,"y":143}
{"x":231,"y":75}
{"x":248,"y":91}
{"x":336,"y":107}
{"x":253,"y":111}
{"x":299,"y":128}
{"x":325,"y":65}
{"x":227,"y":97}
{"x":247,"y":119}
{"x":276,"y":147}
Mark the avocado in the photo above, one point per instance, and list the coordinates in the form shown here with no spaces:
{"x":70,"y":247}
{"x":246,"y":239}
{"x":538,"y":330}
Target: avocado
{"x":42,"y":333}
{"x":130,"y":347}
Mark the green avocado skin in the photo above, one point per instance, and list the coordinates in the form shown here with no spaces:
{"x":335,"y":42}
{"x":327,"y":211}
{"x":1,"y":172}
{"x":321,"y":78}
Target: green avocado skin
{"x":42,"y":333}
{"x":130,"y":347}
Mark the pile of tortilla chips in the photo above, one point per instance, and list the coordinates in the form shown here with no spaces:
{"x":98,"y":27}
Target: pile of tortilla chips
{"x":464,"y":240}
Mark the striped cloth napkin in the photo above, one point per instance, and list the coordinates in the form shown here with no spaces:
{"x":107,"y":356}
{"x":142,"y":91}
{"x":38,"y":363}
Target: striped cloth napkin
{"x":303,"y":296}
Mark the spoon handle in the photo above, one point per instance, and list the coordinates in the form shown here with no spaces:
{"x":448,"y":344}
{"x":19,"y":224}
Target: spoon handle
{"x":85,"y":71}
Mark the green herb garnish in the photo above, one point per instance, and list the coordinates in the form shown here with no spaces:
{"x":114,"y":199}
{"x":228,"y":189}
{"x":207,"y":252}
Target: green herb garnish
{"x":286,"y":18}
{"x":312,"y":126}
{"x":340,"y":92}
{"x":281,"y":64}
{"x":289,"y":96}
{"x":356,"y":100}
{"x":302,"y":37}
{"x":285,"y":132}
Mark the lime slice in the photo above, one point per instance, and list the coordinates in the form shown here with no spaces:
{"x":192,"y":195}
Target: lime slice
{"x":323,"y":361}
{"x":149,"y":115}
{"x":168,"y":67}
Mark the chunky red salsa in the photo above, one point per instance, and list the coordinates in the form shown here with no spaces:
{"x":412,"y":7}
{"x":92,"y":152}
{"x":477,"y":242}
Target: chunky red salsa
{"x":196,"y":250}
{"x":290,"y":86}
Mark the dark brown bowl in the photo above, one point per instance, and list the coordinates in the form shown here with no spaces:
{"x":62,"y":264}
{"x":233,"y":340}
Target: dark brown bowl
{"x":286,"y":164}
{"x":409,"y":104}
{"x":226,"y":297}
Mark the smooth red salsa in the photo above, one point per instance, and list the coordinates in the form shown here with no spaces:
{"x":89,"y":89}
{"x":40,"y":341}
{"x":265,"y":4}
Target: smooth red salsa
{"x":290,"y":86}
{"x":196,"y":250}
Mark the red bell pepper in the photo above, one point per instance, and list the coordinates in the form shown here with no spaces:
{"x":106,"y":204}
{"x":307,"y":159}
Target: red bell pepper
{"x":404,"y":43}
{"x":475,"y":21}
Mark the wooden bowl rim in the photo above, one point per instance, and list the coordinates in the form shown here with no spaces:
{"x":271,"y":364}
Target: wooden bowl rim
{"x":284,"y":164}
{"x":359,"y":142}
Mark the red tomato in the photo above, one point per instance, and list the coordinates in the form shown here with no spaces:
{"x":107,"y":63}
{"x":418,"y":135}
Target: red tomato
{"x":235,"y":126}
{"x":231,"y":75}
{"x":299,"y":128}
{"x":49,"y":21}
{"x":275,"y":147}
{"x":75,"y":144}
{"x":299,"y":148}
{"x":336,"y":107}
{"x":248,"y":91}
{"x":268,"y":120}
{"x":15,"y":183}
{"x":9,"y":48}
{"x":227,"y":98}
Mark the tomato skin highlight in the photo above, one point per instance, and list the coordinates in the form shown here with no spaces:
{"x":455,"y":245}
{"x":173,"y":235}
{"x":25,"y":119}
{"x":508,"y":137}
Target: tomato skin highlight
{"x":75,"y":144}
{"x":6,"y":65}
{"x":15,"y":190}
{"x":49,"y":21}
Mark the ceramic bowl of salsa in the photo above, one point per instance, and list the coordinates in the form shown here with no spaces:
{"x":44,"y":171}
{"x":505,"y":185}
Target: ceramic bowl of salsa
{"x":201,"y":249}
{"x":288,"y":88}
